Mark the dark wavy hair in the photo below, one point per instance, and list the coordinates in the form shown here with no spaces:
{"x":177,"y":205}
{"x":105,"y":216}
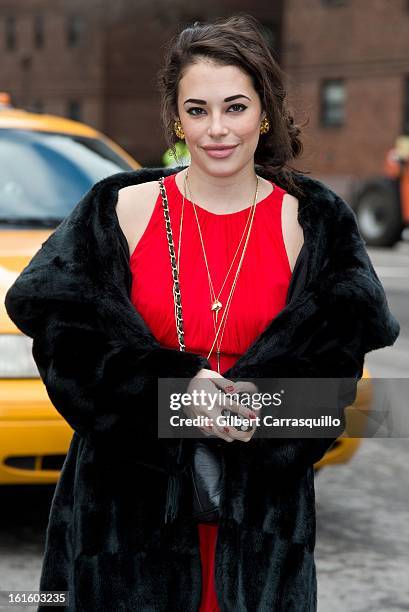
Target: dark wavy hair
{"x":237,"y":40}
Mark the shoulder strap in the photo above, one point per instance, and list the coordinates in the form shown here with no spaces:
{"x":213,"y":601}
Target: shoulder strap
{"x":176,"y":288}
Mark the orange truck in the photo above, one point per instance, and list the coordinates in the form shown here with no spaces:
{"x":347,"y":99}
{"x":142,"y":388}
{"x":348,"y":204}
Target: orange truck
{"x":382,"y":203}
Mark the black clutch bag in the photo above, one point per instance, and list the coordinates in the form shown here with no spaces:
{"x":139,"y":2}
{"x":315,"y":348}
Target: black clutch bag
{"x":206,"y":470}
{"x":206,"y":476}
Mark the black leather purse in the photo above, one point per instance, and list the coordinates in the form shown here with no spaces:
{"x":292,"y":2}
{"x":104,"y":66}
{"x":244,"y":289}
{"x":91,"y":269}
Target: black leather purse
{"x":206,"y":478}
{"x":206,"y":469}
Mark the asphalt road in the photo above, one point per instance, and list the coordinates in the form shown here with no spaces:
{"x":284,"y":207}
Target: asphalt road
{"x":362,"y":551}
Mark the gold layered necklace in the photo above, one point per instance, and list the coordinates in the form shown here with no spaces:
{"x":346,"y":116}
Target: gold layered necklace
{"x":215,"y":303}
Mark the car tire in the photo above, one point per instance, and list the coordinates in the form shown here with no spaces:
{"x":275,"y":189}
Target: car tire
{"x":377,"y":207}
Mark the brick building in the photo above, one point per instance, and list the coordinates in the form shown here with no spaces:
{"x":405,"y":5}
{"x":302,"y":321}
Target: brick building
{"x":347,"y":64}
{"x":97,"y":61}
{"x":348,"y":72}
{"x":52,"y":57}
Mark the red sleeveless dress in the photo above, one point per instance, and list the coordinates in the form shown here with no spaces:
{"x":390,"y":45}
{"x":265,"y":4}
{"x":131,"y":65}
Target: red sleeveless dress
{"x":259,"y":295}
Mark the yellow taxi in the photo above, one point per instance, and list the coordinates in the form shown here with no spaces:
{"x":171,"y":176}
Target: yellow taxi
{"x":356,"y":416}
{"x":47,"y":163}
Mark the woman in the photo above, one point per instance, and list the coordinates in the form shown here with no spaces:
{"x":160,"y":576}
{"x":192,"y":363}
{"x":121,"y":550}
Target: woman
{"x":210,"y":90}
{"x":302,"y":300}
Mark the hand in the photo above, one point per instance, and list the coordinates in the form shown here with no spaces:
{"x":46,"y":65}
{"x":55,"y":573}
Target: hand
{"x":201,"y":382}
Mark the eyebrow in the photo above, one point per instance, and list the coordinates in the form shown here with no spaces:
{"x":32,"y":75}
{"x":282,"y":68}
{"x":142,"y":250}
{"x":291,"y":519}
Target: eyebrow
{"x":229,"y":99}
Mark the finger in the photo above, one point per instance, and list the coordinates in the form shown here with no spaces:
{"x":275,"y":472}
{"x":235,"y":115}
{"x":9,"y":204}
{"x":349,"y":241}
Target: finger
{"x":223,"y":432}
{"x":205,"y":373}
{"x":245,"y":390}
{"x":225,"y":384}
{"x":240,"y":410}
{"x":232,"y":388}
{"x":235,"y":431}
{"x":226,"y":400}
{"x":245,"y":439}
{"x":246,"y":385}
{"x":241,"y":433}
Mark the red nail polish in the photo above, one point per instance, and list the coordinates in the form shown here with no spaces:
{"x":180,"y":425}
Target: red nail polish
{"x":226,"y":429}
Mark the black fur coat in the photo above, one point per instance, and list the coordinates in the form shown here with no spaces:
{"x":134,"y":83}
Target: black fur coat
{"x":108,"y":543}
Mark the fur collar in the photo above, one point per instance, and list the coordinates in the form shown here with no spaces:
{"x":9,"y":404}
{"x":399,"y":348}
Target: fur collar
{"x":86,"y":261}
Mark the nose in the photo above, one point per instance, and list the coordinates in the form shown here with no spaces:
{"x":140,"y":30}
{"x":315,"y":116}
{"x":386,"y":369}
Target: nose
{"x":216,"y":127}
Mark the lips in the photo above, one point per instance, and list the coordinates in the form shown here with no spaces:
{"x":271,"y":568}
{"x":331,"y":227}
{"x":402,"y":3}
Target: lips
{"x":220,"y":151}
{"x":218,"y":147}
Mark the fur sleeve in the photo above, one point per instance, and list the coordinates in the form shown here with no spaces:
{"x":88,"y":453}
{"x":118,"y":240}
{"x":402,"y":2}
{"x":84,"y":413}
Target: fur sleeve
{"x":97,"y":358}
{"x":341,"y":315}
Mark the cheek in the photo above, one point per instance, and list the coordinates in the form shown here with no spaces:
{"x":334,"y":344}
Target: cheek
{"x":248,"y":128}
{"x":193,"y":131}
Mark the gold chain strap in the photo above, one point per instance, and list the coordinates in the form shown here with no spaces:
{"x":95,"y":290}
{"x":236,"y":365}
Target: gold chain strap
{"x":176,"y":288}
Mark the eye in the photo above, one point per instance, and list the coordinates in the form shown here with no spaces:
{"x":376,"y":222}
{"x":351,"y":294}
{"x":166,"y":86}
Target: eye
{"x":240,"y":105}
{"x":194,"y":108}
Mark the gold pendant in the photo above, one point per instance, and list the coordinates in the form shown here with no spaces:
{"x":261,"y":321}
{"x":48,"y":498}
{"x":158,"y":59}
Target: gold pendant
{"x":216,"y":306}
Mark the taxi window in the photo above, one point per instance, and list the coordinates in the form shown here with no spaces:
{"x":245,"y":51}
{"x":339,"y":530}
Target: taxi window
{"x":43,"y":175}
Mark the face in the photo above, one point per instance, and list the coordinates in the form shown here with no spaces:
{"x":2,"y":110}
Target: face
{"x":218,"y":105}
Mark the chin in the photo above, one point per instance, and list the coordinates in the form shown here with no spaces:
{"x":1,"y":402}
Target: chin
{"x":218,"y":167}
{"x":227,"y":170}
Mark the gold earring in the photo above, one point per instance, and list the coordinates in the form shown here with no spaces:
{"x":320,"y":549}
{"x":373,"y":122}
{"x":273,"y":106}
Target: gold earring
{"x":264,"y":126}
{"x":179,"y":130}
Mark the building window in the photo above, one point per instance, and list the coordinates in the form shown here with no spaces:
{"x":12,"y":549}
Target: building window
{"x":38,"y":31}
{"x":406,"y":106}
{"x":75,"y":30}
{"x":36,"y":107}
{"x":332,"y":103}
{"x":11,"y":39}
{"x":74,"y":110}
{"x":334,"y":2}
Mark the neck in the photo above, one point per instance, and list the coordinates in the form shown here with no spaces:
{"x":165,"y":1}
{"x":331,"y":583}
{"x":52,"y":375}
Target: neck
{"x":221,"y":194}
